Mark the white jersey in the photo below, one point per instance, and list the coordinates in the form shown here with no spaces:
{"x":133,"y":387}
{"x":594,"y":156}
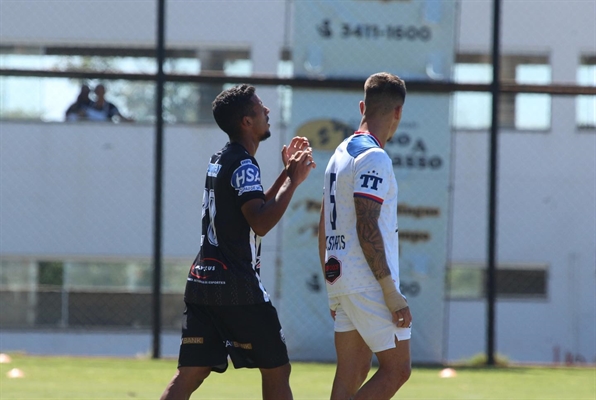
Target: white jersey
{"x":359,"y":167}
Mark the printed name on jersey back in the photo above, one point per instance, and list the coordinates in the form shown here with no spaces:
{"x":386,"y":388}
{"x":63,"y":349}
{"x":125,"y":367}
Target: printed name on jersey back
{"x":337,"y":242}
{"x":246,"y":178}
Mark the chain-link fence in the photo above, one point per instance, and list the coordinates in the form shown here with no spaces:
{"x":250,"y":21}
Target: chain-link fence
{"x":77,"y":191}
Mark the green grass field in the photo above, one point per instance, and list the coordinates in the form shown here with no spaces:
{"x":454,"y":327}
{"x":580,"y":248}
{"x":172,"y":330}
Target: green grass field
{"x":110,"y":378}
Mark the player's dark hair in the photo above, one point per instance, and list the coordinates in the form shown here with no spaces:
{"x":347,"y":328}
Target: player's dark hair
{"x":231,"y":105}
{"x":383,"y":92}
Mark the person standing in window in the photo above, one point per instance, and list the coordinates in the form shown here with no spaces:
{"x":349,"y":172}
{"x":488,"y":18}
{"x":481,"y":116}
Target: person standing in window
{"x":78,"y":110}
{"x":103,"y":110}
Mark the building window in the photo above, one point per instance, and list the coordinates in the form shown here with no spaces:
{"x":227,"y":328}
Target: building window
{"x":229,"y":61}
{"x":472,"y":109}
{"x":524,"y":111}
{"x":82,"y":293}
{"x":514,"y":281}
{"x":47,"y":99}
{"x":285,"y":69}
{"x":586,"y":105}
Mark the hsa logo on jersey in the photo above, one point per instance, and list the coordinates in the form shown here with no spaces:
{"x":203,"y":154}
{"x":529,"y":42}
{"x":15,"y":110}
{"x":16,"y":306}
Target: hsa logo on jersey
{"x":372,"y":180}
{"x":246,"y":178}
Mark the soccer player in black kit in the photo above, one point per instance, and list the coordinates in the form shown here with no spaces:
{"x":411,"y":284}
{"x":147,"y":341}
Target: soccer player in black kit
{"x":228,"y":312}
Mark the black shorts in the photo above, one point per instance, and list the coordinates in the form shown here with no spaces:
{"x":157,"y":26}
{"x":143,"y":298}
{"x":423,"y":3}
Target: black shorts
{"x":250,"y":334}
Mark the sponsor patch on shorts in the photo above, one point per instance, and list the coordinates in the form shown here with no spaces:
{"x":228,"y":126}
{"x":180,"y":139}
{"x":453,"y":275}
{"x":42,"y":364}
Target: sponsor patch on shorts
{"x":193,"y":340}
{"x":232,"y":343}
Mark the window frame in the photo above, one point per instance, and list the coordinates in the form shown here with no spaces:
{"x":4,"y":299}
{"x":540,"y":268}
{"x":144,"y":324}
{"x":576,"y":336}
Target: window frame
{"x":481,"y":271}
{"x":508,"y":101}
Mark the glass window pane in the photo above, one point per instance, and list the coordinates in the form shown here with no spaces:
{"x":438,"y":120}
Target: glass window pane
{"x":585,"y":109}
{"x":96,"y":275}
{"x":472,"y":109}
{"x":533,"y":74}
{"x":16,"y":273}
{"x":473,"y":73}
{"x":182,"y":66}
{"x":21,"y":98}
{"x":465,"y":282}
{"x":174,"y":276}
{"x":521,"y":283}
{"x":285,"y":69}
{"x":26,"y":61}
{"x":533,"y":111}
{"x":238,"y":67}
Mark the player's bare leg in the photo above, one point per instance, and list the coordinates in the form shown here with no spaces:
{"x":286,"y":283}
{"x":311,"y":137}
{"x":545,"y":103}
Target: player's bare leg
{"x":394,"y":370}
{"x":353,"y":364}
{"x":185,"y":382}
{"x":276,"y":383}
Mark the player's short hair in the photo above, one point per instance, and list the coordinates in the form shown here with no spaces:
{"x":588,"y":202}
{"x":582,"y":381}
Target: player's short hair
{"x":383,"y":92}
{"x":231,"y":105}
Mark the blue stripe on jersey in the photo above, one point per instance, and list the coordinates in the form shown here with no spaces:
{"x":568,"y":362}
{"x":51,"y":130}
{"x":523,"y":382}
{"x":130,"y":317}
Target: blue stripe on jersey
{"x":361,"y":143}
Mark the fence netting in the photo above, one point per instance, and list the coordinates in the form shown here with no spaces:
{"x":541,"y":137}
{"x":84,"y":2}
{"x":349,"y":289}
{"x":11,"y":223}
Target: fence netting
{"x":77,"y":189}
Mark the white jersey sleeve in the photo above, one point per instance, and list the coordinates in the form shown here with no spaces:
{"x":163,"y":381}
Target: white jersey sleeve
{"x":373,"y":175}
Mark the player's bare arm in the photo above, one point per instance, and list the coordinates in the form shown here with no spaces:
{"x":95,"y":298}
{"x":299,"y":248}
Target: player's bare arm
{"x":261,"y":215}
{"x":373,"y":247}
{"x":369,"y":235}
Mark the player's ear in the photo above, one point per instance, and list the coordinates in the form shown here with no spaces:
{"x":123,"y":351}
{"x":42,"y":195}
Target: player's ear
{"x":246,"y":121}
{"x":397,"y":112}
{"x":362,"y":107}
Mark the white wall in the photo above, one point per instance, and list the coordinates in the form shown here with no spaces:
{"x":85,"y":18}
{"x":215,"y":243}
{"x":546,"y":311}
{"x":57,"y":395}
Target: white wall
{"x":547,"y":195}
{"x":546,"y":215}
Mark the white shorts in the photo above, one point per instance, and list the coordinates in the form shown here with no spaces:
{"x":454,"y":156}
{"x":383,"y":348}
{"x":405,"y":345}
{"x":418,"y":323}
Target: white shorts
{"x":367,"y":313}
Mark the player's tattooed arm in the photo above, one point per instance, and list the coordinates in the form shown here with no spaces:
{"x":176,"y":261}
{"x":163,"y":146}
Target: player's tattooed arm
{"x":373,"y":247}
{"x":370,"y":237}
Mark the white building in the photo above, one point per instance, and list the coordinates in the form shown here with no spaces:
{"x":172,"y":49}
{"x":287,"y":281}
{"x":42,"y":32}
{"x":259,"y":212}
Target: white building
{"x":82,"y":193}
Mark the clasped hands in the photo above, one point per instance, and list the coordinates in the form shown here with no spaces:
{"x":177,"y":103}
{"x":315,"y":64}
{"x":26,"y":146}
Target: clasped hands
{"x":297,"y":158}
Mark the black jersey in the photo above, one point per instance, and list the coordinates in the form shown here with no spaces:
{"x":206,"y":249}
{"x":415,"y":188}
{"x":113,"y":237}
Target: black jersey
{"x":226,"y":270}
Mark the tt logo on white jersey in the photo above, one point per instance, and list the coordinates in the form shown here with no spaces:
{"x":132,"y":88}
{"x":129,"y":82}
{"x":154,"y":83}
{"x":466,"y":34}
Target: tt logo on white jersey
{"x":370,"y":178}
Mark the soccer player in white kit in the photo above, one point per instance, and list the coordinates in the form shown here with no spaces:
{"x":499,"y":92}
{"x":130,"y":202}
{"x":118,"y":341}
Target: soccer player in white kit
{"x":358,"y":248}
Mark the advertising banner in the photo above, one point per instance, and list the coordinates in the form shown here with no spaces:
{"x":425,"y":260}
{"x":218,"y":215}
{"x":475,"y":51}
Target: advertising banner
{"x":412,"y":39}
